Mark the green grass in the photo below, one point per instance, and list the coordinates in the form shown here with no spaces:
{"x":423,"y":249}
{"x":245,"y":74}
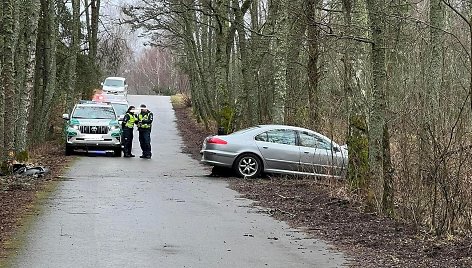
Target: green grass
{"x":177,"y":100}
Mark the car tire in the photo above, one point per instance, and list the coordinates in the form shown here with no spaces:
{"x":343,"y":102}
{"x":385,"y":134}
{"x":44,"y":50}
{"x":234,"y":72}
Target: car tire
{"x":69,"y":150}
{"x":218,"y":171}
{"x":117,"y":152}
{"x":248,"y":166}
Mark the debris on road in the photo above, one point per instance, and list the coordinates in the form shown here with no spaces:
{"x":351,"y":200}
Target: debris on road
{"x":29,"y":170}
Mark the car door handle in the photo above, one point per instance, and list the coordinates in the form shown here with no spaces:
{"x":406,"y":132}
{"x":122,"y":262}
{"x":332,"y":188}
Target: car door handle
{"x":306,"y":152}
{"x":265,"y":147}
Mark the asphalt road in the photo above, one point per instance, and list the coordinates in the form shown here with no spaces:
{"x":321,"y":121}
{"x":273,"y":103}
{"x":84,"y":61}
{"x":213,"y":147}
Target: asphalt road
{"x":162,"y":212}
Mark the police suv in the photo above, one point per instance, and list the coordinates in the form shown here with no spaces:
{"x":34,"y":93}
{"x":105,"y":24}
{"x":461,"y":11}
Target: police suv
{"x":92,"y":126}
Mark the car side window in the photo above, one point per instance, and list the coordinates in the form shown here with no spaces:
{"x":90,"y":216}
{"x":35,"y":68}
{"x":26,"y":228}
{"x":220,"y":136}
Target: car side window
{"x":281,"y":136}
{"x":261,"y":137}
{"x":323,"y":144}
{"x":313,"y":141}
{"x":308,"y":140}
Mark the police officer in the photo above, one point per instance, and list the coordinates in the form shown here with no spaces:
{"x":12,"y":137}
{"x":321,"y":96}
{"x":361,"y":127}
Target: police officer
{"x":128,"y":126}
{"x":144,"y":127}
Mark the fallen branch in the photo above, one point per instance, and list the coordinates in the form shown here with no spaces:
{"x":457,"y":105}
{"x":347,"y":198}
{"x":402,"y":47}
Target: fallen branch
{"x":285,"y":197}
{"x":285,"y":212}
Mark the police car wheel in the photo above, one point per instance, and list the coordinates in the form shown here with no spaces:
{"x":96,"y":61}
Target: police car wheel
{"x":69,"y":150}
{"x":117,"y":152}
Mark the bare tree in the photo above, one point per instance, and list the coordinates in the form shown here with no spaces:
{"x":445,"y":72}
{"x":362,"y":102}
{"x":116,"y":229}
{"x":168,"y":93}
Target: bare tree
{"x":26,"y":70}
{"x":8,"y":82}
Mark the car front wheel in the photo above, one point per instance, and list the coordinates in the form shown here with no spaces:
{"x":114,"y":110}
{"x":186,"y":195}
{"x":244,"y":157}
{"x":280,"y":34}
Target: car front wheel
{"x":117,"y":152}
{"x":248,"y":166}
{"x":69,"y":150}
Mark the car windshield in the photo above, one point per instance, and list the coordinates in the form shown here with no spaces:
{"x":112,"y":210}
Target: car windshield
{"x":114,"y":83}
{"x":120,"y":108}
{"x":94,"y":112}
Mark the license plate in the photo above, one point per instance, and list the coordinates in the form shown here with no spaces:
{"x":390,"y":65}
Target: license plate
{"x":94,"y":138}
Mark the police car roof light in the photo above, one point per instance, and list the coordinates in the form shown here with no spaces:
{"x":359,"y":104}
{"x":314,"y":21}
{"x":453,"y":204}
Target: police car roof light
{"x":93,"y":102}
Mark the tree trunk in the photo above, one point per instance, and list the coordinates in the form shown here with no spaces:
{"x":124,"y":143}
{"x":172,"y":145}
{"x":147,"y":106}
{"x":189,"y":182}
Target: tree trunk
{"x":221,"y":61}
{"x":49,"y":79}
{"x":357,"y":139}
{"x":87,"y":21}
{"x":73,"y":53}
{"x":248,"y":100}
{"x":388,"y":191}
{"x":296,"y":37}
{"x":253,"y":100}
{"x":26,"y":83}
{"x":432,"y":108}
{"x":93,"y":41}
{"x":436,"y":18}
{"x":198,"y":72}
{"x":2,"y":93}
{"x":39,"y":75}
{"x":376,"y":17}
{"x":280,"y":63}
{"x":8,"y":81}
{"x":313,"y":33}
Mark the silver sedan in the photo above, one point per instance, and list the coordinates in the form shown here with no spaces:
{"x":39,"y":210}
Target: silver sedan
{"x":276,"y":149}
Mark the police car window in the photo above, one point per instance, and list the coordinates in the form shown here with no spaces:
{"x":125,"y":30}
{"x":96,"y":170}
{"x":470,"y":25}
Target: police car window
{"x":120,"y":108}
{"x":281,"y":136}
{"x":94,"y":112}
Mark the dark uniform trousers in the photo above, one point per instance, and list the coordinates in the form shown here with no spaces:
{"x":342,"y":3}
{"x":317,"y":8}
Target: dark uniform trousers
{"x":127,"y":140}
{"x":145,"y":141}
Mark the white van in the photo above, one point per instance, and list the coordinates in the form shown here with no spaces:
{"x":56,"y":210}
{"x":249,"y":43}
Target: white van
{"x":115,"y":85}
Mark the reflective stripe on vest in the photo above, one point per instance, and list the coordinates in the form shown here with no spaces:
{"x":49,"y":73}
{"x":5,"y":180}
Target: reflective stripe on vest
{"x":131,"y":121}
{"x":145,"y":117}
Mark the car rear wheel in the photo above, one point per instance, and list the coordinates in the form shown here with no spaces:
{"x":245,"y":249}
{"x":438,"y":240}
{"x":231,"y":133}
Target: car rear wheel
{"x":248,"y":166}
{"x":117,"y":152}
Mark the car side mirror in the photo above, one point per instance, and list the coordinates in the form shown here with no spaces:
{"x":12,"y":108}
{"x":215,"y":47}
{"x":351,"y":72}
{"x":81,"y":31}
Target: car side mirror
{"x":121,"y":118}
{"x":101,"y":83}
{"x":65,"y":116}
{"x":336,"y":149}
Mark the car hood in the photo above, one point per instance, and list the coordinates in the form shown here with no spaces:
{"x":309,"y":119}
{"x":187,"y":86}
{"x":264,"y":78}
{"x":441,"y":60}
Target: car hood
{"x":93,"y":122}
{"x":113,"y":89}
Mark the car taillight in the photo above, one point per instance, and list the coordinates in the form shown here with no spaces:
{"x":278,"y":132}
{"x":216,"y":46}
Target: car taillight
{"x":216,"y":141}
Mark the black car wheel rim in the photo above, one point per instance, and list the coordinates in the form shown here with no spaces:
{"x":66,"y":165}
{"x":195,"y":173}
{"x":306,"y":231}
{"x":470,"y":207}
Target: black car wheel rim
{"x":248,"y":166}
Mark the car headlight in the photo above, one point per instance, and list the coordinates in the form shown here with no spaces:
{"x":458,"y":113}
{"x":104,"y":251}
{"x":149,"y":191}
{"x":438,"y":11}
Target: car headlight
{"x":115,"y":127}
{"x":75,"y":127}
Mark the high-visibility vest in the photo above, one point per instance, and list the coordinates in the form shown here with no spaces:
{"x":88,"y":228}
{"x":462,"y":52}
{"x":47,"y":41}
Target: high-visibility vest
{"x":132,"y":119}
{"x":142,"y":117}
